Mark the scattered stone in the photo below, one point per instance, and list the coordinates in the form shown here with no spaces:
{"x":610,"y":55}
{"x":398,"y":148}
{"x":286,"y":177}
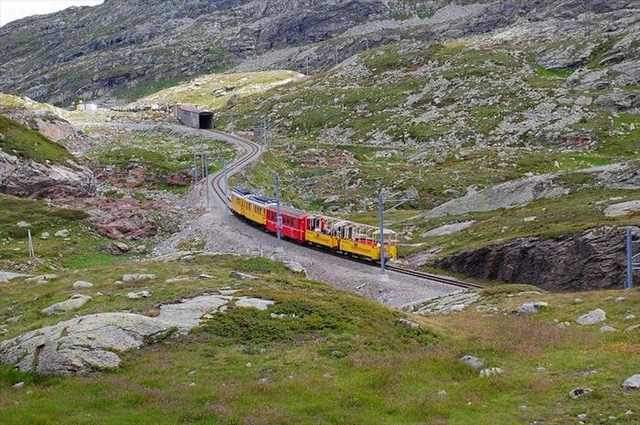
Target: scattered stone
{"x":621,"y":299}
{"x":228,"y":291}
{"x":447,"y":304}
{"x":409,"y":323}
{"x":632,"y":383}
{"x":205,"y":276}
{"x":242,"y":276}
{"x":608,"y":329}
{"x":73,"y":303}
{"x":530,"y":219}
{"x":137,"y":277}
{"x":582,"y":416}
{"x":118,"y":247}
{"x":257,"y":303}
{"x":81,"y":284}
{"x":533,"y":307}
{"x":45,"y":278}
{"x":45,"y":235}
{"x":178,"y":279}
{"x":18,"y":385}
{"x":473,"y":362}
{"x":632,"y":328}
{"x":629,"y":317}
{"x":6,"y":277}
{"x":64,"y":233}
{"x":578,"y":301}
{"x":294,"y":266}
{"x":492,"y":371}
{"x":580,"y":392}
{"x":541,"y":369}
{"x":138,"y":295}
{"x":592,"y":318}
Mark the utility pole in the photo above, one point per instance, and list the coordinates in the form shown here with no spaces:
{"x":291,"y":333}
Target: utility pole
{"x":629,"y":245}
{"x":278,"y":214}
{"x":205,"y":164}
{"x":30,"y":249}
{"x":381,"y":213}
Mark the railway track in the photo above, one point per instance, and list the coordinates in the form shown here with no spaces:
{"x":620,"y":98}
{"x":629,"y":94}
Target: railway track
{"x":253,"y":151}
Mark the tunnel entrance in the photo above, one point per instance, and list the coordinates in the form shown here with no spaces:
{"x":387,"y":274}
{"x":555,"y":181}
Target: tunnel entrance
{"x":206,"y":120}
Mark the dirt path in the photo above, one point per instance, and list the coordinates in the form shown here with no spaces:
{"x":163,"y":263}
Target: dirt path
{"x":224,"y":233}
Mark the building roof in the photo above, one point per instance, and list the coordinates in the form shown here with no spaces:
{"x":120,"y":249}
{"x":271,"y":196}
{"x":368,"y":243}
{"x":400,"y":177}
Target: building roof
{"x":193,"y":108}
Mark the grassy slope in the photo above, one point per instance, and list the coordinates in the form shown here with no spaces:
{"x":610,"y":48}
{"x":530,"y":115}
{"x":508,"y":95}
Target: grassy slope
{"x":81,"y":250}
{"x":216,"y":90}
{"x":341,"y":360}
{"x":28,"y":144}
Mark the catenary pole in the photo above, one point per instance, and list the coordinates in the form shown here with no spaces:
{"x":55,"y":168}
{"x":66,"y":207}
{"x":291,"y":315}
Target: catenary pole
{"x":278,"y":214}
{"x":381,"y":214}
{"x":629,"y":245}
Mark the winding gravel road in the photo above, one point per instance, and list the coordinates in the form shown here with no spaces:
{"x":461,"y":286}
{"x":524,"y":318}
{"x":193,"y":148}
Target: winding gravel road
{"x":224,"y":233}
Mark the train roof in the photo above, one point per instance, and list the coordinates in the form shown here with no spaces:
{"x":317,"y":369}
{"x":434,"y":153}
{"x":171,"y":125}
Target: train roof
{"x":262,"y":199}
{"x":242,"y":191}
{"x":293,"y":212}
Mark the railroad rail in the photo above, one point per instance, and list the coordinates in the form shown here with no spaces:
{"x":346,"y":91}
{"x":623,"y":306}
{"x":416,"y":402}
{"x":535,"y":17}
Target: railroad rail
{"x":434,"y":277}
{"x":252,"y":152}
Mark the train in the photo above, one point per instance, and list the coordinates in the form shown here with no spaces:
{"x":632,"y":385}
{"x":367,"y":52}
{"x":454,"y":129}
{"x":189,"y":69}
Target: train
{"x":334,"y":234}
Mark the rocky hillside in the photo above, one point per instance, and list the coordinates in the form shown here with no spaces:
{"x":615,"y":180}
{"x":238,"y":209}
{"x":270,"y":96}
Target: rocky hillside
{"x":128,"y":47}
{"x":530,"y":130}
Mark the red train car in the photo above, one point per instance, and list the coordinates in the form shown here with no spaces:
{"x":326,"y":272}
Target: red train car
{"x":294,"y":223}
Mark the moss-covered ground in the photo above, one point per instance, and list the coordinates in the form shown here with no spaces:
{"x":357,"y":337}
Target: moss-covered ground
{"x":331,"y":358}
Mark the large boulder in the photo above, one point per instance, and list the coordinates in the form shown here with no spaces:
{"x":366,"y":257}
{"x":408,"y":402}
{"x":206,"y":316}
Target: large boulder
{"x":93,"y":342}
{"x":81,"y":345}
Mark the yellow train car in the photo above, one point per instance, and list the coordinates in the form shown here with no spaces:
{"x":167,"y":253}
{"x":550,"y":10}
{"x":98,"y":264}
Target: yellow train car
{"x":318,"y":232}
{"x":364,"y":241}
{"x":252,"y":207}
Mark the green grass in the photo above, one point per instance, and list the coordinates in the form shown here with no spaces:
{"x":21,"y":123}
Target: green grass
{"x":145,"y":89}
{"x":160,"y":153}
{"x":83,"y":249}
{"x":340,"y":359}
{"x":25,"y":143}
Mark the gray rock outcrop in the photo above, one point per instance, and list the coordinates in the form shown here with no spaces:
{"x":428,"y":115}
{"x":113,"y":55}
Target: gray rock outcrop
{"x":21,"y":177}
{"x":93,"y":342}
{"x":81,"y":345}
{"x":592,"y":259}
{"x":448,"y":229}
{"x":506,"y":195}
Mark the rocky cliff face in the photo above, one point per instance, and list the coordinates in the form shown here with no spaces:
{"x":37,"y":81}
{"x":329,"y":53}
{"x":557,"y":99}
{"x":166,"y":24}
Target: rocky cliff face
{"x":590,"y":260}
{"x":90,"y":52}
{"x":94,"y":52}
{"x":21,"y":177}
